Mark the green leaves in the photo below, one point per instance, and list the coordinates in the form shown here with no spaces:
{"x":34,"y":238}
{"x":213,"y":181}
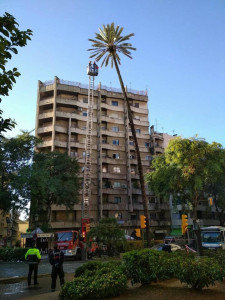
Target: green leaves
{"x":10,"y":39}
{"x":109,"y":41}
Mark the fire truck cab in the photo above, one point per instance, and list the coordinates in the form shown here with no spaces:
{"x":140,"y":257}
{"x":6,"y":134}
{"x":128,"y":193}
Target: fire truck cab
{"x":69,"y":242}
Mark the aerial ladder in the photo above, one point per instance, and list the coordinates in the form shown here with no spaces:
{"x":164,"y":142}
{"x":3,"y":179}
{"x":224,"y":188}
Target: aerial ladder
{"x":92,"y":71}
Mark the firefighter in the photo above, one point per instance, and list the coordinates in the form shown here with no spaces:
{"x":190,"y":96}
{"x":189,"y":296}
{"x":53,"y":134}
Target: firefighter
{"x":33,"y":258}
{"x":56,"y":260}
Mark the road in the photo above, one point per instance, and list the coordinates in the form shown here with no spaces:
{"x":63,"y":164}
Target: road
{"x":13,"y":283}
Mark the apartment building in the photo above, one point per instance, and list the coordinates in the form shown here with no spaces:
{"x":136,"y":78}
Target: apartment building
{"x":9,"y":228}
{"x":61,"y":124}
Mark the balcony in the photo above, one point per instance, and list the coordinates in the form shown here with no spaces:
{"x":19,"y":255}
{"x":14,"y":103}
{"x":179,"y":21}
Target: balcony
{"x":65,"y":224}
{"x":46,"y":101}
{"x":45,"y":144}
{"x":114,"y":191}
{"x":44,"y":129}
{"x":46,"y":115}
{"x":115,"y":206}
{"x":62,"y":144}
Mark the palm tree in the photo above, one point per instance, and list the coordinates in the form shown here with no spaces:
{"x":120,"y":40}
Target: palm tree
{"x":108,"y":43}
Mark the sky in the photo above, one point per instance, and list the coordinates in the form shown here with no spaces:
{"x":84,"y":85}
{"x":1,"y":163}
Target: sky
{"x":180,"y":57}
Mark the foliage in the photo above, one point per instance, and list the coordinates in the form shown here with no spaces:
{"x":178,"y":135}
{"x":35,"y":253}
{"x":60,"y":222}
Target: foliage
{"x":108,"y":232}
{"x":10,"y":39}
{"x":187,"y":170}
{"x":132,"y":245}
{"x":96,"y":281}
{"x":147,"y":265}
{"x":12,"y":254}
{"x":54,"y":180}
{"x":200,"y":273}
{"x":89,"y":266}
{"x":15,"y":163}
{"x":218,"y":255}
{"x":108,"y":43}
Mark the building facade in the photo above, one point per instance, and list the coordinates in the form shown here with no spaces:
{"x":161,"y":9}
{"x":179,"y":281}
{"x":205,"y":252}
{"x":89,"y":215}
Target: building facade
{"x":9,"y":228}
{"x":61,"y":124}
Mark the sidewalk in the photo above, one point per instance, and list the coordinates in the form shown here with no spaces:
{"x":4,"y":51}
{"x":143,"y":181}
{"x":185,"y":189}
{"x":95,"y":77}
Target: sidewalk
{"x":21,"y":291}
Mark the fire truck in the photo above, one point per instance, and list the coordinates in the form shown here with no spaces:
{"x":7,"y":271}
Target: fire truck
{"x":69,"y":241}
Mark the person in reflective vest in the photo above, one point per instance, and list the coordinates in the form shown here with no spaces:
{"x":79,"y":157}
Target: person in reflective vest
{"x":56,"y":260}
{"x":33,"y":258}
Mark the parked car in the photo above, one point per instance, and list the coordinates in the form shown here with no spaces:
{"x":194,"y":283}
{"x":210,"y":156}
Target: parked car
{"x":174,"y":247}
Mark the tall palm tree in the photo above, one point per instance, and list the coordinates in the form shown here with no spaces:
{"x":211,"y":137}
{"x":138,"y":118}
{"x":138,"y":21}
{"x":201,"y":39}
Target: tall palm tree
{"x":107,"y":44}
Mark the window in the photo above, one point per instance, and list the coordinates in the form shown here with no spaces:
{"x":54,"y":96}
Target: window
{"x":85,"y":100}
{"x":153,"y":216}
{"x":115,"y":129}
{"x":114,"y":103}
{"x":83,"y":154}
{"x":116,"y":156}
{"x":116,"y":169}
{"x":104,"y":169}
{"x":117,"y":200}
{"x":116,"y":184}
{"x":147,"y":144}
{"x":115,"y":142}
{"x":137,"y":117}
{"x":132,"y":170}
{"x":132,"y":156}
{"x":138,"y":130}
{"x":133,"y":217}
{"x":131,"y":142}
{"x":136,"y":105}
{"x":84,"y":113}
{"x":148,"y":157}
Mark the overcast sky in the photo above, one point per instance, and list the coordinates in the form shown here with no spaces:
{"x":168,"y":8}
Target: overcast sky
{"x":180,"y":57}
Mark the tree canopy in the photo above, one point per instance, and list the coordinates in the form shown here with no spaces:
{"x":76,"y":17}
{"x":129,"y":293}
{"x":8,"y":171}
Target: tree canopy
{"x":107,"y":232}
{"x":10,"y":39}
{"x":188,"y":170}
{"x":15,"y":165}
{"x":54,"y":180}
{"x":191,"y":170}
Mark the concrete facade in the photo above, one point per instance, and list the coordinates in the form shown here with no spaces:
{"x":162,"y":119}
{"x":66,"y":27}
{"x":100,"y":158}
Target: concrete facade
{"x":61,"y":124}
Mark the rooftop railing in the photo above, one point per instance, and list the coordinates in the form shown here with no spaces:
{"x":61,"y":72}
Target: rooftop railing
{"x":103,"y":87}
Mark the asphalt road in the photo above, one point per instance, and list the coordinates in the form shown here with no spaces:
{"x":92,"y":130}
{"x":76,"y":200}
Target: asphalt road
{"x":20,"y":269}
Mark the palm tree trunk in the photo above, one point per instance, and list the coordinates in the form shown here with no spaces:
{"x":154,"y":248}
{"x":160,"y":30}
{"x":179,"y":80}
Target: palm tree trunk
{"x":140,"y":169}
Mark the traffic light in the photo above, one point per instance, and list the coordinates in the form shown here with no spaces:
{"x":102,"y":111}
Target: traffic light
{"x":138,"y":232}
{"x":88,"y":227}
{"x":143,"y":221}
{"x":210,"y":201}
{"x":184,"y":226}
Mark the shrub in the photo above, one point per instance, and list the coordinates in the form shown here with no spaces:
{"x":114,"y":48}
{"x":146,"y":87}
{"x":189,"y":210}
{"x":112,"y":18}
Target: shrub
{"x":104,"y":283}
{"x":89,"y":267}
{"x":217,"y":255}
{"x":200,"y":273}
{"x":147,"y":265}
{"x":12,"y":254}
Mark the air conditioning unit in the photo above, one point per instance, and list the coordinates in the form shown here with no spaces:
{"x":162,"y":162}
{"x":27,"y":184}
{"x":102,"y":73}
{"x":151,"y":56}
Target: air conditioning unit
{"x":80,"y":109}
{"x":124,"y":186}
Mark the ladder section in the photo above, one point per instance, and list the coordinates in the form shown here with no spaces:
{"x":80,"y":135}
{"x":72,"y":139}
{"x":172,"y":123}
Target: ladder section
{"x":88,"y":141}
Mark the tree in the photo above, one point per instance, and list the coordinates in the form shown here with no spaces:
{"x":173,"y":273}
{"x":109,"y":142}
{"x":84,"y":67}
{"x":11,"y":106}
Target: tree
{"x":186,"y":170}
{"x":53,"y":180}
{"x":108,"y":232}
{"x":10,"y":39}
{"x":15,"y":162}
{"x":109,"y":43}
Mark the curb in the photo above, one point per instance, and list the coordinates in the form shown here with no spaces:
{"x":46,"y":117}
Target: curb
{"x":18,"y":279}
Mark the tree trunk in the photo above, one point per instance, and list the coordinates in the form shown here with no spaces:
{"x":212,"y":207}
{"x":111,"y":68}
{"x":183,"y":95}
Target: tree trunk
{"x":196,"y":227}
{"x":140,"y":169}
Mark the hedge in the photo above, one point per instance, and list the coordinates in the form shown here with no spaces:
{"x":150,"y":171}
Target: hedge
{"x":12,"y":254}
{"x":96,"y":280}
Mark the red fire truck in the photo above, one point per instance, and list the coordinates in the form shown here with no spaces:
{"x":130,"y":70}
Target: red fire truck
{"x":70,"y":243}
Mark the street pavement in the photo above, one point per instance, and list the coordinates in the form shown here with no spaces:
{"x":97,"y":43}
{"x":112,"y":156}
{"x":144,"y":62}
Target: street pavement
{"x":13,"y":280}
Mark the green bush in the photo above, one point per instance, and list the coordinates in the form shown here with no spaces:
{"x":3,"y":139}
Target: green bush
{"x":218,"y":255}
{"x":12,"y":254}
{"x":147,"y":265}
{"x":104,"y":283}
{"x":89,"y":267}
{"x":199,"y":273}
